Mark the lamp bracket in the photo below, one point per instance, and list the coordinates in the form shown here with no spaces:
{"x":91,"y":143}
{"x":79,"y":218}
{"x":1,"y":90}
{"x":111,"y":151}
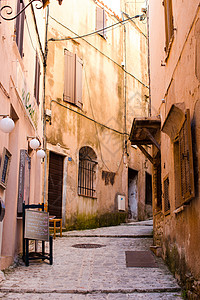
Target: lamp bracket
{"x":9,"y":11}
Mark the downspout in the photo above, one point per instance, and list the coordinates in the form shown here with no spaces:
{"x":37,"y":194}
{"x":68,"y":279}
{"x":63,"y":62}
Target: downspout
{"x":125,"y":90}
{"x":44,"y":95}
{"x":149,"y":74}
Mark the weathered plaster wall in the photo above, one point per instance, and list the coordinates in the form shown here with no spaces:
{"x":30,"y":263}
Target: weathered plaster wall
{"x":17,"y":77}
{"x":103,"y":101}
{"x":178,"y":81}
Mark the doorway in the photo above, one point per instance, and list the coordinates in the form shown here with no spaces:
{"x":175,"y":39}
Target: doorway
{"x":148,"y":192}
{"x":133,"y":194}
{"x":55,"y":184}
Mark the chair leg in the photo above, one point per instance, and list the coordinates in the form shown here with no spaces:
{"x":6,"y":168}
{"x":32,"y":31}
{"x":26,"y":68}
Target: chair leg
{"x":54,"y":229}
{"x":61,"y":227}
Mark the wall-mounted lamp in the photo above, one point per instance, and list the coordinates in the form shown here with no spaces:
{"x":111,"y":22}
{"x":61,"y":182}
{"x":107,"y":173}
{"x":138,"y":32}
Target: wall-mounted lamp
{"x":6,"y":124}
{"x":40,"y":153}
{"x":34,"y":144}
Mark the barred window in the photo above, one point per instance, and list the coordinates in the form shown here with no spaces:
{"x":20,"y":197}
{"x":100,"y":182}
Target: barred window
{"x":87,"y":172}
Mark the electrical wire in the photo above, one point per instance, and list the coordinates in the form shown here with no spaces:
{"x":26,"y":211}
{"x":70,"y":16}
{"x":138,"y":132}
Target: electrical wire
{"x":81,"y":114}
{"x":30,"y":34}
{"x":99,"y":52}
{"x":94,"y":32}
{"x":102,"y":159}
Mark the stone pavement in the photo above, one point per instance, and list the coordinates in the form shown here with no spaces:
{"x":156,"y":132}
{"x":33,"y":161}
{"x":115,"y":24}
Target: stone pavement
{"x":95,"y":273}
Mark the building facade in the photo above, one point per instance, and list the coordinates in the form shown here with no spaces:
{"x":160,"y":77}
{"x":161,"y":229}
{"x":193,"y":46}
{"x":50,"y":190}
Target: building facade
{"x":95,"y":85}
{"x":21,"y":97}
{"x":175,"y":97}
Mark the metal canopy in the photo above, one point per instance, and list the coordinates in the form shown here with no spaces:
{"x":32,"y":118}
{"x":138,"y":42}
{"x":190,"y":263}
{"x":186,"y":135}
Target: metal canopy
{"x":143,"y":132}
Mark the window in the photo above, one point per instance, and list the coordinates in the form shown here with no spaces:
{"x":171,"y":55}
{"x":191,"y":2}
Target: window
{"x":169,"y":28}
{"x":101,"y":21}
{"x":87,"y":172}
{"x":157,"y":186}
{"x":24,"y":181}
{"x":166,"y":194}
{"x":183,"y":163}
{"x":37,"y":79}
{"x":73,"y":79}
{"x":148,"y":191}
{"x":5,"y":165}
{"x":20,"y":26}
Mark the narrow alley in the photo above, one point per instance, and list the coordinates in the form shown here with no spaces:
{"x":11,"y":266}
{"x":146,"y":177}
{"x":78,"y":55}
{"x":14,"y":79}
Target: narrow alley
{"x":95,"y":264}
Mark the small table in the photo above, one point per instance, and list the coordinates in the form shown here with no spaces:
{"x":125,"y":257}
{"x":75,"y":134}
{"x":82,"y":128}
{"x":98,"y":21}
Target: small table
{"x":54,"y":220}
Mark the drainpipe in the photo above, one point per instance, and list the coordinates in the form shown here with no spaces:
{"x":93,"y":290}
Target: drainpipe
{"x":44,"y":94}
{"x":125,"y":89}
{"x":149,"y":111}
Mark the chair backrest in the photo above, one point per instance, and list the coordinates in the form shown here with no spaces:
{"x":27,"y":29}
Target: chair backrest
{"x":45,"y":207}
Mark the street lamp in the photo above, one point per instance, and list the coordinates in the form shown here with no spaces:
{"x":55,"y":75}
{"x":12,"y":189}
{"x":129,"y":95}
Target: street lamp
{"x":40,"y":153}
{"x":34,"y":143}
{"x":6,"y":124}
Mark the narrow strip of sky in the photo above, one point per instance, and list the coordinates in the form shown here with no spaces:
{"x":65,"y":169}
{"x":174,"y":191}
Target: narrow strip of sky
{"x":114,"y":5}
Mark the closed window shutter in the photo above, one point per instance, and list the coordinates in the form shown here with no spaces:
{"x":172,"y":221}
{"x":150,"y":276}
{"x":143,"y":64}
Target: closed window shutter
{"x":20,"y":27}
{"x":78,"y":91}
{"x":168,"y":21}
{"x":166,"y":194}
{"x":100,"y":21}
{"x":69,"y":77}
{"x":186,"y":160}
{"x":37,"y":79}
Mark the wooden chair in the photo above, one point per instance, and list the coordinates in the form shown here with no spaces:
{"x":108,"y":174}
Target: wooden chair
{"x":57,"y":224}
{"x":54,"y":223}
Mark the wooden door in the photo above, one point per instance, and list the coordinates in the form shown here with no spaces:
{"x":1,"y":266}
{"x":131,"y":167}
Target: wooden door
{"x":55,"y":188}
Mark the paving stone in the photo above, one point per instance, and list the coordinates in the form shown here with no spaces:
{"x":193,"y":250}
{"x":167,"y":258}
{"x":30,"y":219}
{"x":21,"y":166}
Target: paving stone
{"x":94,"y":273}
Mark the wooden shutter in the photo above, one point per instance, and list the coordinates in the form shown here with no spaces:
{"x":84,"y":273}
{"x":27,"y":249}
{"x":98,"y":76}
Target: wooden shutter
{"x":20,"y":27}
{"x":37,"y":79}
{"x":169,"y":29}
{"x":69,"y":77}
{"x":78,"y":91}
{"x":100,"y":21}
{"x":24,"y":180}
{"x":186,"y":160}
{"x":166,"y":194}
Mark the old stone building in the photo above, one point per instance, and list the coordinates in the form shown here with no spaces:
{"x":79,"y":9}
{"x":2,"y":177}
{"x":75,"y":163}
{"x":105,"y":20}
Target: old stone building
{"x":95,"y":85}
{"x":21,"y":98}
{"x":174,"y":131}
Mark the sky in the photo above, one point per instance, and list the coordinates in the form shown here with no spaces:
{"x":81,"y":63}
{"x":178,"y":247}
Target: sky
{"x":114,"y":5}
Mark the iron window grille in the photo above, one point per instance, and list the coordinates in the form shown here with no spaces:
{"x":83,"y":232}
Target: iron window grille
{"x":87,"y":172}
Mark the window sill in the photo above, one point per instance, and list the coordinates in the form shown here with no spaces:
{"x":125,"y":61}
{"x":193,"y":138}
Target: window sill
{"x":92,"y":197}
{"x":72,"y":104}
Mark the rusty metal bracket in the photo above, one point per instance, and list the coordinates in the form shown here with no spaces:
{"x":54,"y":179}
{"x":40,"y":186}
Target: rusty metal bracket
{"x":150,"y":158}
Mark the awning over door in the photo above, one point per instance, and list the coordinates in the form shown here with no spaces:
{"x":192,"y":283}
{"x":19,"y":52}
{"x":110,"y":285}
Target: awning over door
{"x":143,"y":132}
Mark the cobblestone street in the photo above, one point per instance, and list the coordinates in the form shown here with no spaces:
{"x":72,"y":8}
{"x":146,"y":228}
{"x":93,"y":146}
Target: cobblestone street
{"x":94,"y":273}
